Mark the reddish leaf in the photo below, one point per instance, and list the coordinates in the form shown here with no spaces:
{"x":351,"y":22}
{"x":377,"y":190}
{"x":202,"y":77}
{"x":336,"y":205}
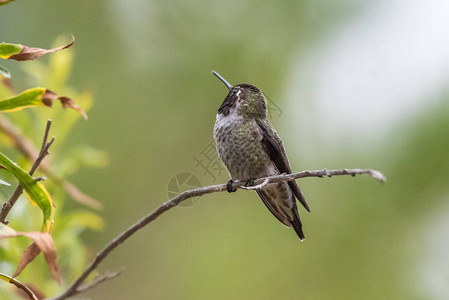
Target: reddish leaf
{"x":29,"y":53}
{"x":28,"y":256}
{"x":42,"y":241}
{"x":49,"y":96}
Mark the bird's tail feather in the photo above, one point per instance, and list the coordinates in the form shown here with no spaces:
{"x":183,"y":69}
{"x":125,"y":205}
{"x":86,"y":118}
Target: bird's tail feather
{"x":296,"y":224}
{"x":289,"y":216}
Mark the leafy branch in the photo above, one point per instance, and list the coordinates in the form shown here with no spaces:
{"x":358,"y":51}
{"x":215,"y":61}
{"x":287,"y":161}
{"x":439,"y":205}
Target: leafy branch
{"x":77,"y":286}
{"x":35,"y":190}
{"x":26,"y":147}
{"x":37,"y":193}
{"x":19,"y":190}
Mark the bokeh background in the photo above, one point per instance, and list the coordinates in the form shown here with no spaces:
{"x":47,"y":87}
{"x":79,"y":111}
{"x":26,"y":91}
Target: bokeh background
{"x":351,"y":84}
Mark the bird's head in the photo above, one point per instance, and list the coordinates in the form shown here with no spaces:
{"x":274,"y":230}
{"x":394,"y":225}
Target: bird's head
{"x":243,"y":99}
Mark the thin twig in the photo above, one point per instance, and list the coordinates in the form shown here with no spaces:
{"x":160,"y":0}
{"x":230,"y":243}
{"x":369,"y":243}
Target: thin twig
{"x":44,"y":149}
{"x":24,"y":146}
{"x":98,"y":280}
{"x":19,"y":285}
{"x":73,"y":289}
{"x":19,"y":190}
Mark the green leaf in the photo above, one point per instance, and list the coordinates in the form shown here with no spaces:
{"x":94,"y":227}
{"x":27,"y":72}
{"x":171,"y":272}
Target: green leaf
{"x":5,"y":72}
{"x":38,"y":97}
{"x":28,"y":98}
{"x":20,"y":52}
{"x":7,"y":50}
{"x":4,"y":183}
{"x":35,"y":191}
{"x":84,"y":220}
{"x":3,"y":2}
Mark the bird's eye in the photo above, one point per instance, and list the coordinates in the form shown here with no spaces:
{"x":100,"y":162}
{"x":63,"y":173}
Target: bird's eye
{"x":234,"y":91}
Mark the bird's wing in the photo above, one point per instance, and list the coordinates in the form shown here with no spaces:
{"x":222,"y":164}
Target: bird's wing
{"x":273,"y":146}
{"x":281,"y":208}
{"x":280,"y":215}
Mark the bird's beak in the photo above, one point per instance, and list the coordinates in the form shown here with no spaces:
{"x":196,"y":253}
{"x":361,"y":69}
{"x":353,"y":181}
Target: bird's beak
{"x":223,"y":80}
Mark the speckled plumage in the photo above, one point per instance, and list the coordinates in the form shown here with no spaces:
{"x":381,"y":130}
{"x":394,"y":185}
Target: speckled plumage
{"x":238,"y":145}
{"x":249,"y":147}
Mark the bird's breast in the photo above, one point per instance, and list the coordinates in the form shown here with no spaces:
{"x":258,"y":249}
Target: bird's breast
{"x":238,"y":143}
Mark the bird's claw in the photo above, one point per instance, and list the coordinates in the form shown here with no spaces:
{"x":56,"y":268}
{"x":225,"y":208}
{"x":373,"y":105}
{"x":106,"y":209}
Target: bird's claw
{"x":250,"y":182}
{"x":229,"y":186}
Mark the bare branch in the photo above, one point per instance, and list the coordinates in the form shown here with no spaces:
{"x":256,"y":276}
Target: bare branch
{"x":98,"y":280}
{"x":164,"y":207}
{"x":19,"y":190}
{"x":44,"y":148}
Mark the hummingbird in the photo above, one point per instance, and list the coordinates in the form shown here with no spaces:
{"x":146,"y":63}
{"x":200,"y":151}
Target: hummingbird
{"x":250,"y":148}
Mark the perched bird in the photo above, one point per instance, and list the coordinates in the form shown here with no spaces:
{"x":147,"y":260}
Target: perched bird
{"x":250,"y":148}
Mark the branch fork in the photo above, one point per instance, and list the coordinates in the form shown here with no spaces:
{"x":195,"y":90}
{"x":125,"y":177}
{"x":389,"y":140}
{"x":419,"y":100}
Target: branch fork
{"x":6,"y":208}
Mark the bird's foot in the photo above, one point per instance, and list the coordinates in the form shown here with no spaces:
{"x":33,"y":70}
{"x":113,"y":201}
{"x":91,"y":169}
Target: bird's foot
{"x":229,"y":186}
{"x":250,"y":182}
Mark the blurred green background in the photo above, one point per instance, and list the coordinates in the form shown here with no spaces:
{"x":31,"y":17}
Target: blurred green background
{"x":351,"y":84}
